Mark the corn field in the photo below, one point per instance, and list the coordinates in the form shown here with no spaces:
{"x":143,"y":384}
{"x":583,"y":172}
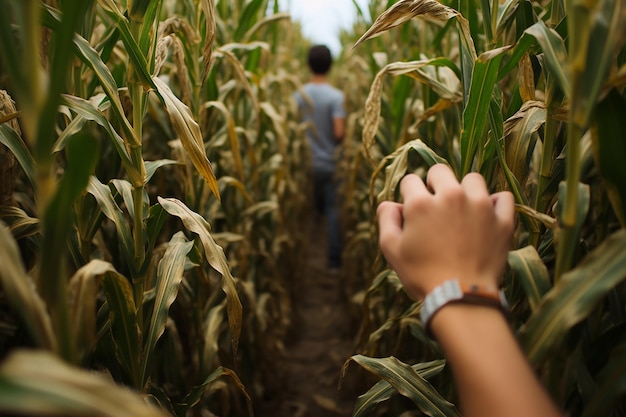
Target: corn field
{"x":153,"y":185}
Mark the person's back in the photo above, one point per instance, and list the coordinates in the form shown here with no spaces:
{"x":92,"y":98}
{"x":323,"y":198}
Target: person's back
{"x":326,"y":105}
{"x":321,"y":105}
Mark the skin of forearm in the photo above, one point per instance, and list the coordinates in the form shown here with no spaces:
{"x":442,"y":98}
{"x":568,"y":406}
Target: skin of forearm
{"x":485,"y":358}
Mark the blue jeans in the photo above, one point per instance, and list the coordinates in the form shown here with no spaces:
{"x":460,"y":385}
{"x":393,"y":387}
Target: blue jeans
{"x":326,"y":204}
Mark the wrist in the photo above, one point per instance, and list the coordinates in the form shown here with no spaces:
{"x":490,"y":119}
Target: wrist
{"x":453,"y":292}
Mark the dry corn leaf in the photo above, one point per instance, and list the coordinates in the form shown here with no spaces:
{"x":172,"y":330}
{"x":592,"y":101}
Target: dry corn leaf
{"x":232,"y":134}
{"x":373,"y":101}
{"x":405,"y":10}
{"x":189,"y":134}
{"x":208,"y":7}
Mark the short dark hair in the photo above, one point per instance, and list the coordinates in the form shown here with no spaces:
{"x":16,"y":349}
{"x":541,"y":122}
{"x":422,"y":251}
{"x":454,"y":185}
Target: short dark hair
{"x":320,"y":59}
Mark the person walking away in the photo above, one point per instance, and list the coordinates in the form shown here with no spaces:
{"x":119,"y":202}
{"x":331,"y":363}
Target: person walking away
{"x":322,"y":106}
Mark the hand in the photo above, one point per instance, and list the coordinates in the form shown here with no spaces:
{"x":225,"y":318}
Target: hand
{"x":448,"y":230}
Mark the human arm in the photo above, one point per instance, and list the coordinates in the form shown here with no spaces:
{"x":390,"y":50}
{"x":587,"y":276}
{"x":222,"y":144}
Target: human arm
{"x":450,"y":230}
{"x":339,"y":128}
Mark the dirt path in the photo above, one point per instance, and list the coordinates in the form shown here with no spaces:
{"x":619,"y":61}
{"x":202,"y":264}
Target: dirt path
{"x":323,"y":340}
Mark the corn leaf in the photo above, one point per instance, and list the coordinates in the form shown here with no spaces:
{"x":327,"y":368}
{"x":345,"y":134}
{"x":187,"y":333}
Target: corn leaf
{"x":135,"y":54}
{"x":208,"y":8}
{"x":21,"y":225}
{"x":609,"y":149}
{"x":212,"y":324}
{"x":595,"y":34}
{"x":86,"y":110}
{"x":38,"y":383}
{"x":574,"y":297}
{"x":612,"y":385}
{"x":383,"y":390}
{"x":189,"y":134}
{"x":405,"y":10}
{"x":91,"y":59}
{"x":409,"y":384}
{"x":374,"y":99}
{"x":520,"y":133}
{"x":153,"y":166}
{"x":214,"y":256}
{"x":198,"y":391}
{"x":399,"y":167}
{"x":22,"y":294}
{"x":82,"y":298}
{"x":124,"y":326}
{"x":476,"y":112}
{"x":168,"y":279}
{"x":248,"y":18}
{"x":553,"y":48}
{"x":111,"y":210}
{"x":529,"y":269}
{"x":10,"y":139}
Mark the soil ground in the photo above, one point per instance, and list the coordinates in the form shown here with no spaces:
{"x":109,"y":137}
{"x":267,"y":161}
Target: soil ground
{"x":322,"y":340}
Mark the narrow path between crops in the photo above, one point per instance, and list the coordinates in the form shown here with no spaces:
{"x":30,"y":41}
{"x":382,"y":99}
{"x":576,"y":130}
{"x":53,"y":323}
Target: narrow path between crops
{"x":323,"y":338}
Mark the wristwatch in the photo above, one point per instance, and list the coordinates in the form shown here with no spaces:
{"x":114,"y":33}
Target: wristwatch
{"x":454,"y":291}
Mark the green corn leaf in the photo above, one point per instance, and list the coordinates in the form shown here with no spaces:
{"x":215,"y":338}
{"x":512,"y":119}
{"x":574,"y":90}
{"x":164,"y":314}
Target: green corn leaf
{"x":520,"y":133}
{"x":574,"y":298}
{"x":153,"y":166}
{"x":168,"y":279}
{"x":609,"y":149}
{"x":88,"y":111}
{"x":81,"y":153}
{"x":523,"y":46}
{"x":135,"y":54}
{"x":111,"y":210}
{"x":91,"y":59}
{"x":124,"y":327}
{"x":569,"y":235}
{"x":247,"y":19}
{"x":383,"y":390}
{"x":125,"y":189}
{"x":154,"y":223}
{"x":21,"y":225}
{"x":71,"y":22}
{"x":409,"y":384}
{"x":399,"y":167}
{"x":39,"y":384}
{"x":22,"y":294}
{"x":476,"y":112}
{"x":9,"y":48}
{"x":10,"y":139}
{"x":276,"y":17}
{"x":596,"y":32}
{"x":214,"y":256}
{"x":147,"y":38}
{"x":82,"y":298}
{"x":553,"y":48}
{"x":612,"y":385}
{"x":529,"y":269}
{"x":198,"y":391}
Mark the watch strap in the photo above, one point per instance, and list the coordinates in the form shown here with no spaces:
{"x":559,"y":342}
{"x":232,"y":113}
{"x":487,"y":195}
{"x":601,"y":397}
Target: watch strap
{"x":454,"y":291}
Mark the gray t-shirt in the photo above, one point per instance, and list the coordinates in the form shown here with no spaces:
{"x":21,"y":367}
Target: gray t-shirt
{"x":327,"y":104}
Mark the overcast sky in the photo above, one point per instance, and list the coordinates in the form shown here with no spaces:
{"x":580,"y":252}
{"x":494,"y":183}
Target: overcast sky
{"x":322,"y":19}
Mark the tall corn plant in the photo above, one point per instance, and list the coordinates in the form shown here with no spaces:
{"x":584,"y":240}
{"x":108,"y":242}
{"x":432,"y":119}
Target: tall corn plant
{"x":528,"y":95}
{"x":104,"y":275}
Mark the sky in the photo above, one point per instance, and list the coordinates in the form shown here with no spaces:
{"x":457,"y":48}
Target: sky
{"x":322,"y":19}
